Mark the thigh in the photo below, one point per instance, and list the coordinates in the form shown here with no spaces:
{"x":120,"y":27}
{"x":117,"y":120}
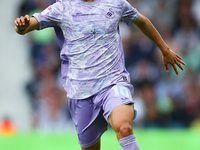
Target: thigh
{"x":123,"y":114}
{"x":118,"y":107}
{"x":89,"y":121}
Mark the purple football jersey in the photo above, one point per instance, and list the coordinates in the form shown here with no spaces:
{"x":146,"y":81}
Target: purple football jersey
{"x":91,"y":47}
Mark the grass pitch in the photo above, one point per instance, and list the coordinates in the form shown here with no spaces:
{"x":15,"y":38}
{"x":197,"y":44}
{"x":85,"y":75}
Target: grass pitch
{"x":148,"y":139}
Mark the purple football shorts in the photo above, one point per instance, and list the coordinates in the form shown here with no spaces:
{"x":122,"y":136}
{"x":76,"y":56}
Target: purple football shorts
{"x":91,"y":115}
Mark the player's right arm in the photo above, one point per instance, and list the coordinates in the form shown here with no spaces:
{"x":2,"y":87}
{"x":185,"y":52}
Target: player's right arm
{"x":25,"y":24}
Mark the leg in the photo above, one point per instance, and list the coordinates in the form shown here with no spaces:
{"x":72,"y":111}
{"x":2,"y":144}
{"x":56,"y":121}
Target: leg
{"x":119,"y":112}
{"x":94,"y":147}
{"x":121,"y":120}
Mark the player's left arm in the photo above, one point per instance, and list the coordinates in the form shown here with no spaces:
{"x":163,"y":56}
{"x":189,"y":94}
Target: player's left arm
{"x":25,"y":24}
{"x":169,"y":57}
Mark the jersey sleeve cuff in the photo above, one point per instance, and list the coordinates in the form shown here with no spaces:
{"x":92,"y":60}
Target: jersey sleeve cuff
{"x":36,"y":15}
{"x":136,"y":16}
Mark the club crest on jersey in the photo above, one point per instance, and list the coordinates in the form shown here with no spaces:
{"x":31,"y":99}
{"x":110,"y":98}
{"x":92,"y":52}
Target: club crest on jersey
{"x":110,"y":13}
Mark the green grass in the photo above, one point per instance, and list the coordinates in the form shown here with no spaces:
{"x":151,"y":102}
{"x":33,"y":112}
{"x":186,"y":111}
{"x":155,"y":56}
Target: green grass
{"x":148,"y":139}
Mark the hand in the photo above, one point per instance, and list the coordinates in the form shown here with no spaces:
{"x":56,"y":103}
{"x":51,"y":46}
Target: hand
{"x":22,"y":23}
{"x":173,"y":59}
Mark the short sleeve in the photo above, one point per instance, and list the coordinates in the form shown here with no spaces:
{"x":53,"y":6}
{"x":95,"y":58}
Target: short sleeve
{"x":50,"y":17}
{"x":129,"y":13}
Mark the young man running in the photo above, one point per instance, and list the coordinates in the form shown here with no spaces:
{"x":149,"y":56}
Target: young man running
{"x":93,"y":71}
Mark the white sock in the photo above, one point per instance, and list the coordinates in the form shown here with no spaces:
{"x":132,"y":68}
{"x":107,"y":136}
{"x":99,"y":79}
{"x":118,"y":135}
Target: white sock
{"x":129,"y":143}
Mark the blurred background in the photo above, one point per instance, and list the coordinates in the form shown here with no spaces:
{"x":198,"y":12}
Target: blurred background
{"x":32,"y":97}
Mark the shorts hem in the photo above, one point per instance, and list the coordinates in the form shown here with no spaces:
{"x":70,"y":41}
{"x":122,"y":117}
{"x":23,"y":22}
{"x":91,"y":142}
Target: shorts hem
{"x":130,"y":102}
{"x":94,"y":142}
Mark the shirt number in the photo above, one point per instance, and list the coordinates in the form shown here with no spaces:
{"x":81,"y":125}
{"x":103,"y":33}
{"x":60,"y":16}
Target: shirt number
{"x":121,"y":90}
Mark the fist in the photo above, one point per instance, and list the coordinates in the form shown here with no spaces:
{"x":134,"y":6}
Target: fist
{"x":22,"y":23}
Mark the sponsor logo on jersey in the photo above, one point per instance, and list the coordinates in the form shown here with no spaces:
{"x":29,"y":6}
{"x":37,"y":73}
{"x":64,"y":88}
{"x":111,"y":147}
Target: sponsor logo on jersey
{"x":77,"y":14}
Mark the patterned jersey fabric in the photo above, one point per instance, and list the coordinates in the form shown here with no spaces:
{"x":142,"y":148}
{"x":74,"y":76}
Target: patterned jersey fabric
{"x":91,"y":47}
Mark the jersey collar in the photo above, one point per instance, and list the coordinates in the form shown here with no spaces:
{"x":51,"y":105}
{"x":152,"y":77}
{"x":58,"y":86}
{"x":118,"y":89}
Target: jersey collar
{"x":89,"y":3}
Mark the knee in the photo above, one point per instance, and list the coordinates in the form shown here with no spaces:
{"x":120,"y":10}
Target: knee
{"x":125,"y":130}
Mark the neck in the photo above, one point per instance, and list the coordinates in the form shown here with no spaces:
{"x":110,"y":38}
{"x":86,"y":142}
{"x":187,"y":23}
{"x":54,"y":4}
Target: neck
{"x":88,"y":0}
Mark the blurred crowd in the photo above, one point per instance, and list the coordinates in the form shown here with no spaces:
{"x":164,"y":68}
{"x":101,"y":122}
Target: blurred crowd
{"x":162,"y":99}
